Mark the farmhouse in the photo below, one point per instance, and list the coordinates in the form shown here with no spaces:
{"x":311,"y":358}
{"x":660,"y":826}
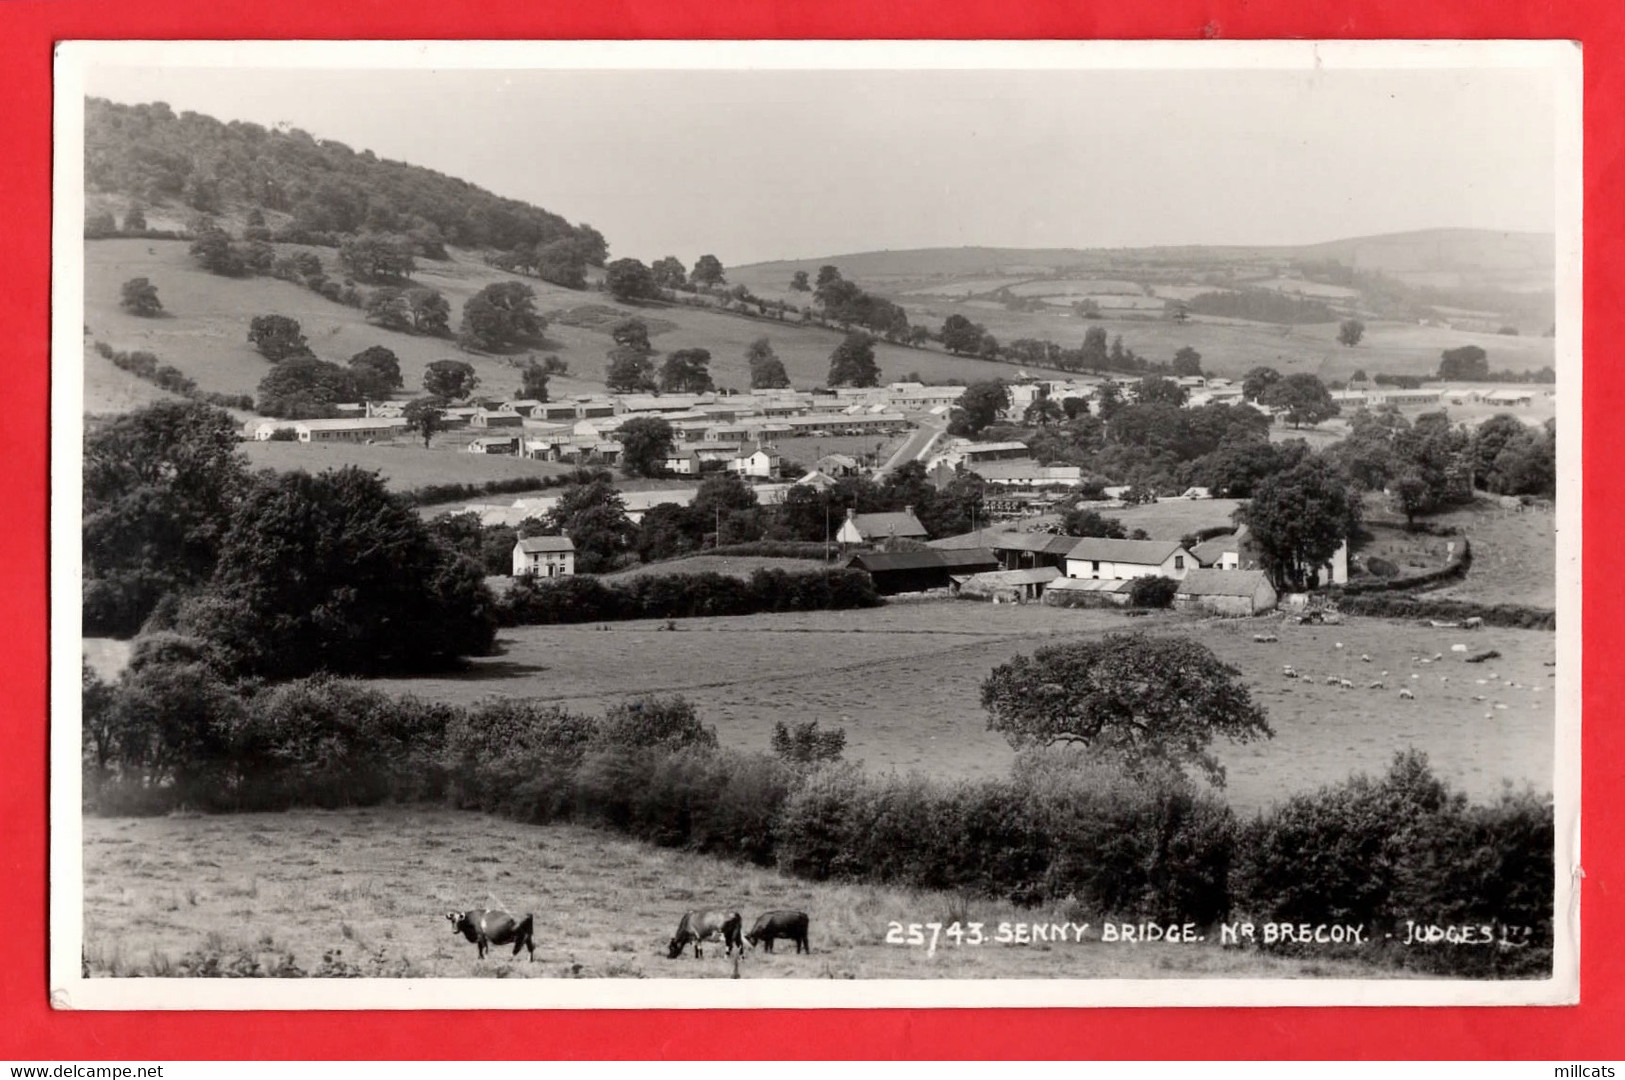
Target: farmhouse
{"x":1237,"y":551}
{"x":759,"y":462}
{"x":869,"y":528}
{"x":683,"y":463}
{"x":544,"y":556}
{"x":1098,"y":557}
{"x":1226,"y":592}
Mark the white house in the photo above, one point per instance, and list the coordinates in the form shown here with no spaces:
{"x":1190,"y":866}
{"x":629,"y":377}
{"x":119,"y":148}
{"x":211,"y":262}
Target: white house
{"x":1119,"y":560}
{"x":869,"y":528}
{"x":544,"y":556}
{"x":759,"y":462}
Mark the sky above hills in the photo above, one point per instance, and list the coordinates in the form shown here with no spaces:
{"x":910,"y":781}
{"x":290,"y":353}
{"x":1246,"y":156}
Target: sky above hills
{"x":754,"y":165}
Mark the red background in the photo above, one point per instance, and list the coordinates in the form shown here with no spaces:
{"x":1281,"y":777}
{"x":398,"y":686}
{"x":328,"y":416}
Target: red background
{"x":29,"y":1029}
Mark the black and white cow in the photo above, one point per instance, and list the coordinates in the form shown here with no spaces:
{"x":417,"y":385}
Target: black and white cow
{"x":488,"y":928}
{"x":702,"y":926}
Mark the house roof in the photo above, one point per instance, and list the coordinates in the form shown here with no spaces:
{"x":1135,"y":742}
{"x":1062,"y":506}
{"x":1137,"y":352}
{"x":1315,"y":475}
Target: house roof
{"x":1209,"y":551}
{"x":1143,"y":552}
{"x":1016,"y":470}
{"x":533,"y":544}
{"x":991,"y":448}
{"x":964,"y":558}
{"x":1221,"y":583}
{"x":896,"y":523}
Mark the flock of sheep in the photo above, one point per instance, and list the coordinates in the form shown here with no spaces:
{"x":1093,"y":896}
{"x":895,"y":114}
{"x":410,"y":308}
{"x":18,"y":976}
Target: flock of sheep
{"x":1408,"y":693}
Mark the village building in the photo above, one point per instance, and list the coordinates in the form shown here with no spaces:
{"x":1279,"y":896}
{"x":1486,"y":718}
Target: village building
{"x":1099,"y":557}
{"x":1014,"y":550}
{"x":873,"y":528}
{"x":1028,"y":474}
{"x":544,"y":556}
{"x":757,"y":462}
{"x":1006,"y":586}
{"x":495,"y":444}
{"x":897,"y":572}
{"x":1086,"y":592}
{"x":1238,"y":551}
{"x":355,"y":429}
{"x":494,"y":418}
{"x":1226,"y":592}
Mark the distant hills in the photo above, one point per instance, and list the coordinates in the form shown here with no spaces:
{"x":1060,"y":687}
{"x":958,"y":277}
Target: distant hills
{"x":1446,"y":258}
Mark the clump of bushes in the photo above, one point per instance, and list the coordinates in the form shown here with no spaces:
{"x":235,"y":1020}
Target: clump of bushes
{"x":435,"y":494}
{"x":584,"y":598}
{"x":1152,"y":592}
{"x":1404,"y":846}
{"x":144,"y":365}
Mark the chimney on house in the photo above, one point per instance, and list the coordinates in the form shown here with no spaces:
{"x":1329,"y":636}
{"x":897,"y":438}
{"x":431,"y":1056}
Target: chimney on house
{"x":851,"y":513}
{"x":909,"y":510}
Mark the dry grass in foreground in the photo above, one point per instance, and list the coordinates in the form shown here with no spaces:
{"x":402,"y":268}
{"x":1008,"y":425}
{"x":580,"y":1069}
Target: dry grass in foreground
{"x":365,"y":892}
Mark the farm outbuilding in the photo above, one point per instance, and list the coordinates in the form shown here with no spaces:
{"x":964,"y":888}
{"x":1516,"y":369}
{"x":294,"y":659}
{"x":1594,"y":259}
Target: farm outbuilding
{"x":1087,"y":592}
{"x":1007,"y":586}
{"x":919,"y":571}
{"x":1226,"y":592}
{"x":1100,"y":557}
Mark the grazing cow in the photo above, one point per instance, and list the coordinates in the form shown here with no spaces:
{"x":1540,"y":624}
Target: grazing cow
{"x":780,"y":924}
{"x":487,"y":928}
{"x":702,"y":926}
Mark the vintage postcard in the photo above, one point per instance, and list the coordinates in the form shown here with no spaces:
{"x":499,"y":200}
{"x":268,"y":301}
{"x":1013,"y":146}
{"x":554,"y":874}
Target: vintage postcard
{"x":861,"y":524}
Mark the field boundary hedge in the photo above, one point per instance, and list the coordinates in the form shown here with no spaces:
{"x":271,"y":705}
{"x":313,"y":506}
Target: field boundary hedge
{"x":1068,"y":830}
{"x":1512,"y":616}
{"x":584,"y":598}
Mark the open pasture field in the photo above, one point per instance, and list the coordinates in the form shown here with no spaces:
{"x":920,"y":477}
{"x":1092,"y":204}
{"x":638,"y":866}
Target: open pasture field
{"x":204,"y":329}
{"x":904,"y":682}
{"x":376,"y":885}
{"x":404,"y":464}
{"x":1514,"y":554}
{"x":1170,"y":519}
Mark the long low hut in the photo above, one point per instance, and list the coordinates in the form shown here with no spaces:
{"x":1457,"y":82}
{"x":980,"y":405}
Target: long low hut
{"x":1226,"y":592}
{"x":1007,"y":586}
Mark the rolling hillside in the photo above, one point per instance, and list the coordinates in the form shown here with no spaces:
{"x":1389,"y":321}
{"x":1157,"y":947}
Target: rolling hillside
{"x":203,"y":330}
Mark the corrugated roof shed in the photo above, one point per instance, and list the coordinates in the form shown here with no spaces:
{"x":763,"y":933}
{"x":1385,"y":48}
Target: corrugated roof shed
{"x":1069,"y":584}
{"x":995,"y":578}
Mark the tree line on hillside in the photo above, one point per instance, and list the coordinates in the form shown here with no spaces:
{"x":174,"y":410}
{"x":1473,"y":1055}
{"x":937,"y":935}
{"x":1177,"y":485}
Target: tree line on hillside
{"x":325,"y":190}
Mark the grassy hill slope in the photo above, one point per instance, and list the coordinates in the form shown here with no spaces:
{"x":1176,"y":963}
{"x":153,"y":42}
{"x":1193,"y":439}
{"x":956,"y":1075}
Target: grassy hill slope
{"x":203,"y":331}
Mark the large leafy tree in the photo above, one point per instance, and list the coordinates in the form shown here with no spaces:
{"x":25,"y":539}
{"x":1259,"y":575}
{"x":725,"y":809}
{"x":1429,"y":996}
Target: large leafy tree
{"x":1083,"y":521}
{"x":139,"y":296}
{"x":670,"y":273}
{"x":1187,"y":361}
{"x":453,"y":380}
{"x":1153,"y":702}
{"x":277,"y":337}
{"x":332,"y":572}
{"x":1154,"y":389}
{"x":960,"y":335}
{"x":629,"y":279}
{"x":708,"y":271}
{"x":1349,"y":332}
{"x":159,"y":487}
{"x":500,"y":316}
{"x":766,"y":369}
{"x":1304,"y":397}
{"x":377,"y":371}
{"x":425,"y":416}
{"x":1469,"y":363}
{"x":305,"y":388}
{"x":1298,"y":518}
{"x":533,"y":380}
{"x":375,"y":257}
{"x":1256,"y":383}
{"x":646,"y":443}
{"x":593,"y":516}
{"x":686,"y":371}
{"x":979,"y":407}
{"x":853,"y":362}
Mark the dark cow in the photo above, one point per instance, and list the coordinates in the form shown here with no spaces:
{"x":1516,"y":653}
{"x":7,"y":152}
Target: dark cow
{"x":780,"y":924}
{"x":701,"y":926}
{"x":488,"y":928}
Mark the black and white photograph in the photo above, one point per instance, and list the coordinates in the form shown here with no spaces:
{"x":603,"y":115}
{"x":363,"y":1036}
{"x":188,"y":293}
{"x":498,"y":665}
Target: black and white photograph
{"x":687,"y":524}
